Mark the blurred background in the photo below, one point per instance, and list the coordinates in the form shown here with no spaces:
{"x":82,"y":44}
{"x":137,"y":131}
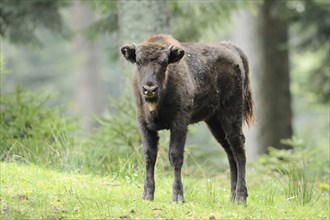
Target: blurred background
{"x":65,"y":90}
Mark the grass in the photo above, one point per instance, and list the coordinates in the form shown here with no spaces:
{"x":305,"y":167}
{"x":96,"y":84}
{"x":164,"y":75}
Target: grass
{"x":31,"y":192}
{"x":298,"y":184}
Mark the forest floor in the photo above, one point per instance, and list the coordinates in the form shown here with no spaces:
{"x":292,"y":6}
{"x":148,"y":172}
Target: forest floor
{"x":31,"y":192}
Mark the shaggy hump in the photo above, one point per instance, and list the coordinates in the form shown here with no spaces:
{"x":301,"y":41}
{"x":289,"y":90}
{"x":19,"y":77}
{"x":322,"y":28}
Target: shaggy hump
{"x":163,"y":40}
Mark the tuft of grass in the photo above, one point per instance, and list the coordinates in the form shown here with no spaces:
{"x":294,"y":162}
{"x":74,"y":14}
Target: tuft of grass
{"x":270,"y":196}
{"x":298,"y":184}
{"x":31,"y":192}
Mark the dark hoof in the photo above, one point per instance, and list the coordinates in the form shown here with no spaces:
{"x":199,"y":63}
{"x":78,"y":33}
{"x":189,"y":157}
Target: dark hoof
{"x":240,"y":199}
{"x":178,"y":198}
{"x":148,"y":196}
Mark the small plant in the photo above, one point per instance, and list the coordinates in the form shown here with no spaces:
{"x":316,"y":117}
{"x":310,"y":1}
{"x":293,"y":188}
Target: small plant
{"x":278,"y":160}
{"x":296,"y":174}
{"x":298,"y":184}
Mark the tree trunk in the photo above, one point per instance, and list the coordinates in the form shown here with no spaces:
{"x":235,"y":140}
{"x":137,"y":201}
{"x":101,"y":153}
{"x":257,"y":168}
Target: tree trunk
{"x":138,"y":20}
{"x":89,"y":93}
{"x":274,"y":83}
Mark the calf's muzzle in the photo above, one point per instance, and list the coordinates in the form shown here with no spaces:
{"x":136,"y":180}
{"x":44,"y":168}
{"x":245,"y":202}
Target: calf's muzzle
{"x":150,"y":91}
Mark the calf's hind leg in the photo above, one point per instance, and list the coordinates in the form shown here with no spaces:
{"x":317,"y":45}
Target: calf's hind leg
{"x":235,"y":138}
{"x":217,"y":131}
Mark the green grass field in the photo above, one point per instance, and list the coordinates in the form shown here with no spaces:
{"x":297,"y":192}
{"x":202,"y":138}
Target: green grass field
{"x":31,"y":192}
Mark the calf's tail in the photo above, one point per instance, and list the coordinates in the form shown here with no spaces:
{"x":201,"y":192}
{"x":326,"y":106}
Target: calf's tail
{"x":248,"y":107}
{"x":248,"y":104}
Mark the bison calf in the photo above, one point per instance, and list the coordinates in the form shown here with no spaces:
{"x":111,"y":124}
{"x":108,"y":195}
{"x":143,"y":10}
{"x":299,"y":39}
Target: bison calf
{"x":176,"y":84}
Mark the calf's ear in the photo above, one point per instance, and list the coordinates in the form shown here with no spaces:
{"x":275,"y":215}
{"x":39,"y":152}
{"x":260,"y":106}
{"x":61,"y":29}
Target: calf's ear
{"x":129,"y":52}
{"x":174,"y":54}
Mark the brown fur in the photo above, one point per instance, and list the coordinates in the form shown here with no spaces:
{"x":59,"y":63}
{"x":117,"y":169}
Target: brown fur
{"x":194,"y":82}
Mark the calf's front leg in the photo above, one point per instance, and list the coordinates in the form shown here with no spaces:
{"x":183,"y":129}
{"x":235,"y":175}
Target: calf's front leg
{"x":175,"y":154}
{"x":150,"y":141}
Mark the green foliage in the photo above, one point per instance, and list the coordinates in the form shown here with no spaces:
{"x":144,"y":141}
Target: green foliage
{"x":49,"y":68}
{"x":311,"y":20}
{"x":108,"y":23}
{"x":115,"y":145}
{"x":19,"y":19}
{"x":188,"y":20}
{"x":310,"y":73}
{"x":192,"y":19}
{"x":310,"y":35}
{"x":31,"y":131}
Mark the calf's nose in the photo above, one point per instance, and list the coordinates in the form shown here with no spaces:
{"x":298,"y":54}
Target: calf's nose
{"x":149,"y":91}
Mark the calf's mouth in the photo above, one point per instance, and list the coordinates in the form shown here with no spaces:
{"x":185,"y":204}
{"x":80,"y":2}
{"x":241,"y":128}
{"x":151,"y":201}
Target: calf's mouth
{"x":151,"y":102}
{"x":150,"y":93}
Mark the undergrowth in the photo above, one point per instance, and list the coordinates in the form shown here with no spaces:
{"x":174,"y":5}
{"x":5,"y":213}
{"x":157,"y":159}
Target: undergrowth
{"x":31,"y":132}
{"x":298,"y":171}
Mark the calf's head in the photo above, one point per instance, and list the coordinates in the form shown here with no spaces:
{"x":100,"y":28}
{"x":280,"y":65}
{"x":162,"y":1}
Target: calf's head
{"x":152,"y":61}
